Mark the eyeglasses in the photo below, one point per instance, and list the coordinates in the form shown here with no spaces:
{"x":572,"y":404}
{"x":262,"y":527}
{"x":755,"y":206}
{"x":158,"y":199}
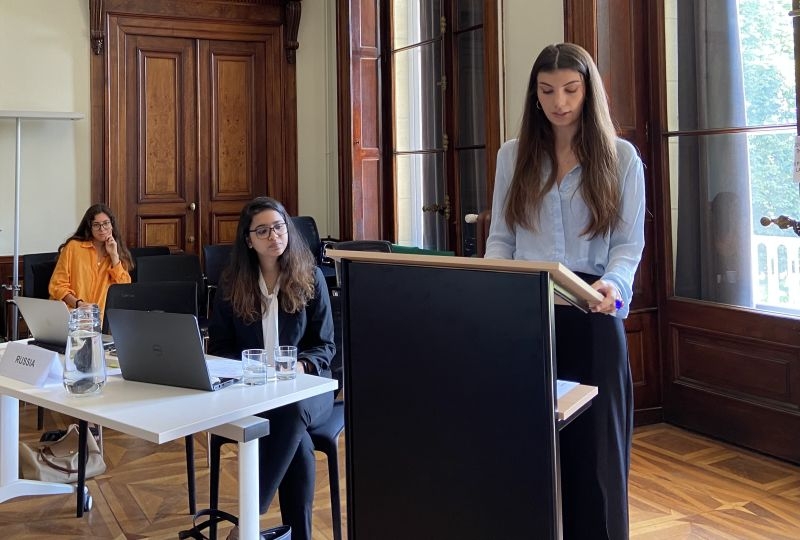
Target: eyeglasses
{"x":265,"y":231}
{"x":101,"y":225}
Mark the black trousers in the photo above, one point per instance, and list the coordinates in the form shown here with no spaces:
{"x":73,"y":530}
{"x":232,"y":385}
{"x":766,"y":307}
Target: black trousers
{"x":595,"y":448}
{"x":286,"y":461}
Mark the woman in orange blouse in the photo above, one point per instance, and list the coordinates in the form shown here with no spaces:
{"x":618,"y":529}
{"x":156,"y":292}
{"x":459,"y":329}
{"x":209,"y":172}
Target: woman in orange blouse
{"x":91,"y":260}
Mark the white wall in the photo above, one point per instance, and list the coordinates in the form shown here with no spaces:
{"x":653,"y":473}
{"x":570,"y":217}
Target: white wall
{"x":48,"y":69}
{"x":45,"y":66}
{"x":317,"y":146}
{"x":527,"y":28}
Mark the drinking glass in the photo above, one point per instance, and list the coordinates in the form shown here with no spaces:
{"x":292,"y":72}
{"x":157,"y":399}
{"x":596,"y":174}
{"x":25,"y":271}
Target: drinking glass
{"x":286,"y":362}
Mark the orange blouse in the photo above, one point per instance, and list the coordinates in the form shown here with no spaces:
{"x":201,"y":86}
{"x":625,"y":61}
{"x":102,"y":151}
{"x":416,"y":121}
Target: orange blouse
{"x":78,"y":272}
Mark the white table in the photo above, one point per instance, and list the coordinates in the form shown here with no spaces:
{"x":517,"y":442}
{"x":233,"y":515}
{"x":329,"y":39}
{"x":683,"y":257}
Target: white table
{"x":155,"y":413}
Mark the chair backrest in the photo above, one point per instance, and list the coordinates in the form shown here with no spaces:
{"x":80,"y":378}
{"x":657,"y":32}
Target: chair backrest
{"x":167,"y":296}
{"x":147,"y":251}
{"x":307,"y":227}
{"x":175,"y":267}
{"x":37,"y":268}
{"x":216,"y":257}
{"x":381,"y":246}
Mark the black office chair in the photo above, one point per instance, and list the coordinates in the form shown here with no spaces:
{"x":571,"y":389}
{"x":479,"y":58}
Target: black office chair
{"x":167,"y":296}
{"x":381,"y":246}
{"x":146,"y":251}
{"x":176,"y":267}
{"x":216,"y":258}
{"x":325,"y":439}
{"x":37,"y":269}
{"x":307,"y":227}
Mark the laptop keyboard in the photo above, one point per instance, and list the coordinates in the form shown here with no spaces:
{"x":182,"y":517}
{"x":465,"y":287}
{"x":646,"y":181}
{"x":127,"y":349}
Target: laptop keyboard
{"x":60,"y":349}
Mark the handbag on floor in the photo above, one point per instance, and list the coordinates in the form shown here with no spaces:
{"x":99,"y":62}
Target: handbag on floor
{"x":215,"y":517}
{"x":55,"y":457}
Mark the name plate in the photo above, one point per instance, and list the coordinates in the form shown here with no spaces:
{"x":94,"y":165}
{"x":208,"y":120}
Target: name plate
{"x":30,"y":364}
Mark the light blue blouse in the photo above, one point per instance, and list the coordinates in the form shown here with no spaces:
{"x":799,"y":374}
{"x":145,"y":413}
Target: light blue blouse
{"x":564,"y":215}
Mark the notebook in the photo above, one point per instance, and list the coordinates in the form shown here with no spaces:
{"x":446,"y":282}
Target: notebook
{"x":162,"y":348}
{"x":48,"y":321}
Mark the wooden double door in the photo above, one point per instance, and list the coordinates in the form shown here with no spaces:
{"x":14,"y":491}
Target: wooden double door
{"x":195,"y":126}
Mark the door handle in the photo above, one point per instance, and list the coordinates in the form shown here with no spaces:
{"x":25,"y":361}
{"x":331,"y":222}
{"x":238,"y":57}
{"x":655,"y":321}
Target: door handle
{"x":442,"y":209}
{"x":192,"y":207}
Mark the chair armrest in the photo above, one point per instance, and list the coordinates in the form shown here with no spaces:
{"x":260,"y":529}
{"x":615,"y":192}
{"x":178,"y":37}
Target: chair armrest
{"x":326,"y":243}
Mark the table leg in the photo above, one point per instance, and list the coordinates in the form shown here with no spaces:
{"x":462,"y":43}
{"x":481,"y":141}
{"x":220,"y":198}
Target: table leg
{"x":248,"y":491}
{"x":83,"y":449}
{"x":11,"y":486}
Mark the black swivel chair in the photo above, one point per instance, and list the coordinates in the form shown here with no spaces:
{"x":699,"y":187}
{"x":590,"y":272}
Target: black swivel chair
{"x":37,"y":268}
{"x":147,"y":251}
{"x":170,"y":297}
{"x":325,"y":437}
{"x":176,"y":267}
{"x":307,"y":227}
{"x":167,"y":296}
{"x":216,"y":257}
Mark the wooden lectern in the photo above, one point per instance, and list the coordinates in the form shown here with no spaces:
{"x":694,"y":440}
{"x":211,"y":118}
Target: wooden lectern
{"x":450,"y":395}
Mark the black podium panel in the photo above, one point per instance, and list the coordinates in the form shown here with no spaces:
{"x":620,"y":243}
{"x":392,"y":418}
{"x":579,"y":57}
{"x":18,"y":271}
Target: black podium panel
{"x":449,"y":403}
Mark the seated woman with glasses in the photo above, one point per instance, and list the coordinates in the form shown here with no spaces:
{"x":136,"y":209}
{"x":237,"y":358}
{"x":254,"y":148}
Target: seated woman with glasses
{"x":91,"y":260}
{"x":272,"y":293}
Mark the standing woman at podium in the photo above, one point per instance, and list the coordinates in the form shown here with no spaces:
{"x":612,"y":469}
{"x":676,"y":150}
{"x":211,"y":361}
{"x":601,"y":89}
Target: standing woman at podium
{"x":568,"y":190}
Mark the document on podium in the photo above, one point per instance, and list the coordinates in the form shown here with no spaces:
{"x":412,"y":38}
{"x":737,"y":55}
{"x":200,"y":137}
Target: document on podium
{"x":562,"y":387}
{"x":571,"y":397}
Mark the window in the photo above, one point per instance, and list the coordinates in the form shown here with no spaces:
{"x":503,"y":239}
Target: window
{"x":445,"y":119}
{"x":731,"y":133}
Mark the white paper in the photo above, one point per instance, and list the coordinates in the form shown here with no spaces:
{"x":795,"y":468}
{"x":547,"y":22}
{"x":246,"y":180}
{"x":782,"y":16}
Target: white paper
{"x":223,"y":367}
{"x":562,"y":387}
{"x":797,"y":158}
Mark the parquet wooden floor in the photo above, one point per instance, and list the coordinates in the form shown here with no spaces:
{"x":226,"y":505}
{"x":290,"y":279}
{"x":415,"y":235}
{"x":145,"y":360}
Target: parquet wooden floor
{"x":683,"y":486}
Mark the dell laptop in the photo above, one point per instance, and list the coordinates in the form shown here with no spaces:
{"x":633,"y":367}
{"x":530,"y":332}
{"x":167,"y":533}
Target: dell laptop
{"x":47,"y":320}
{"x":162,"y":348}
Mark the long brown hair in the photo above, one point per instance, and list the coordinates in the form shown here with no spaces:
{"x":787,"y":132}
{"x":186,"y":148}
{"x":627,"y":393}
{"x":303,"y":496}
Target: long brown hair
{"x":84,"y":232}
{"x":241,"y":276}
{"x":594,"y":145}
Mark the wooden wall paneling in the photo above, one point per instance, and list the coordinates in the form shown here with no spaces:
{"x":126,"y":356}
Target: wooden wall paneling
{"x":734,"y":377}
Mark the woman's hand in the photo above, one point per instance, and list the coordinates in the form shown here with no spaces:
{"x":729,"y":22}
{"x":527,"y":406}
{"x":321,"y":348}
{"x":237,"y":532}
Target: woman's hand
{"x":111,"y":249}
{"x":612,"y":300}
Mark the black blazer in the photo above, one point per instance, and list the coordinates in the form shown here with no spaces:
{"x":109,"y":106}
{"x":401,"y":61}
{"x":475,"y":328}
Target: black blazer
{"x":310,"y":329}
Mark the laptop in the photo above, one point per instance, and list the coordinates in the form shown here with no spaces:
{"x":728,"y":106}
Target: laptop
{"x":162,"y":348}
{"x":48,"y":321}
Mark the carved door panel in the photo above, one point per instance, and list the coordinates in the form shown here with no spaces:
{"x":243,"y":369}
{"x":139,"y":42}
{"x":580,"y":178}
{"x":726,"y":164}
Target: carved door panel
{"x":159,"y":131}
{"x":234,"y":156}
{"x":192,"y":146}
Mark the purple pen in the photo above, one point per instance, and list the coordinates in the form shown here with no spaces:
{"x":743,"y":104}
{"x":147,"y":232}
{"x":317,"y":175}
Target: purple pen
{"x":618,"y":304}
